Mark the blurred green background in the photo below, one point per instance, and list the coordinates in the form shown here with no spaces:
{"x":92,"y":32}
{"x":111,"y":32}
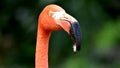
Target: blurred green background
{"x":100,"y":27}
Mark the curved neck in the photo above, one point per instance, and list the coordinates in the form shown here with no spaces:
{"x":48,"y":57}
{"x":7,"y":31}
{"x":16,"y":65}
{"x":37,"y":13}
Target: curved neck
{"x":41,"y":56}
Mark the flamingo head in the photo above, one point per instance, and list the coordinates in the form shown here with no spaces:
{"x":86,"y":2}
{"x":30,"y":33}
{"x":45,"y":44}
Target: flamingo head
{"x":55,"y":18}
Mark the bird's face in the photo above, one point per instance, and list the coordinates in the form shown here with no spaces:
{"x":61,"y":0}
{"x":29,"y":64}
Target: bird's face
{"x":58,"y":19}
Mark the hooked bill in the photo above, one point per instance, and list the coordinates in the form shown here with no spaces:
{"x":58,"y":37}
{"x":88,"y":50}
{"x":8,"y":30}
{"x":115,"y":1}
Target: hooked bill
{"x":75,"y":35}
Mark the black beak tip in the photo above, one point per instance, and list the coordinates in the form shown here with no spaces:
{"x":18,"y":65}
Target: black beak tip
{"x":75,"y":34}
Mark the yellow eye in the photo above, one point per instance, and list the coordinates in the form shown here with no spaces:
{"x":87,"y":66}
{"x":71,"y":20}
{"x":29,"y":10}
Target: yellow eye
{"x":51,"y":13}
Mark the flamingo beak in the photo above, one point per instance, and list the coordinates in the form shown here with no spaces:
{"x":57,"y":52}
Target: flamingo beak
{"x":71,"y":25}
{"x":75,"y":35}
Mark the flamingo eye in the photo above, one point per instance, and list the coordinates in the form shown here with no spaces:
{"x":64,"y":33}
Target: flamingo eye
{"x":51,"y":13}
{"x":56,"y":15}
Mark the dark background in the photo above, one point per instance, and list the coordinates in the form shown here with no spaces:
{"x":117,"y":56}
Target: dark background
{"x":100,"y":27}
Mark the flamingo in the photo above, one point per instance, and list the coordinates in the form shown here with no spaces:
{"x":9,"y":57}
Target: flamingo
{"x":54,"y":17}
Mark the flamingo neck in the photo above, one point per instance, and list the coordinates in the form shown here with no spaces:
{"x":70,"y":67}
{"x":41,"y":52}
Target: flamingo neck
{"x":41,"y":57}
